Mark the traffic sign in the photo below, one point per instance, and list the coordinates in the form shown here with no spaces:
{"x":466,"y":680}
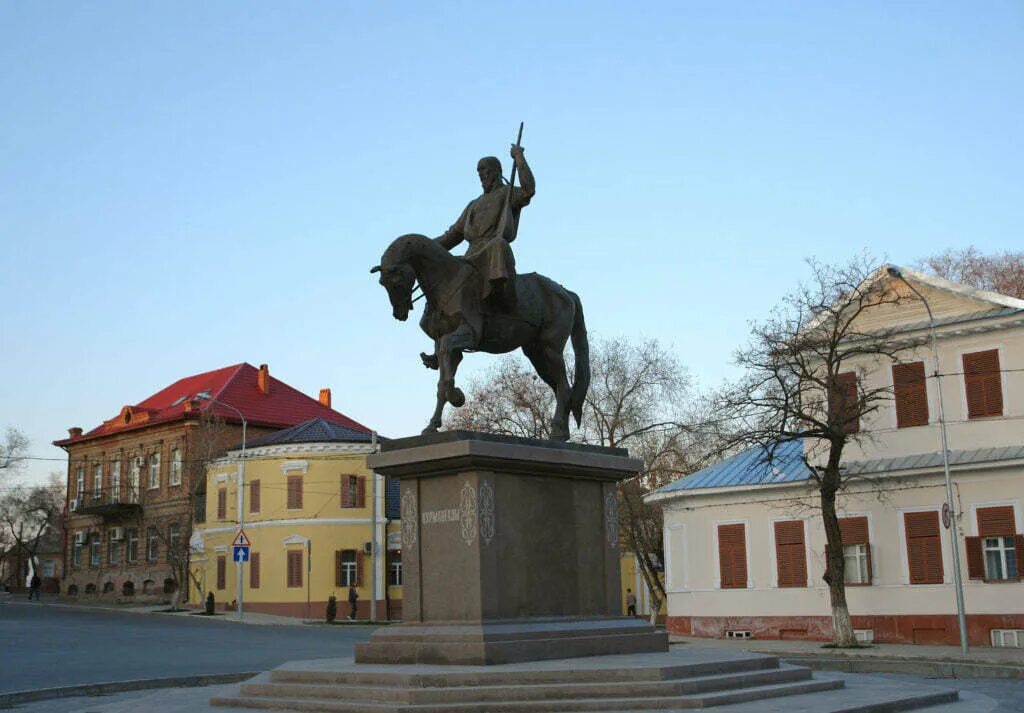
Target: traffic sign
{"x":241,"y":540}
{"x":241,"y":553}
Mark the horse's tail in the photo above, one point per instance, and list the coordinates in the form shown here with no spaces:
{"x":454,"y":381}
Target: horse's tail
{"x":581,"y":352}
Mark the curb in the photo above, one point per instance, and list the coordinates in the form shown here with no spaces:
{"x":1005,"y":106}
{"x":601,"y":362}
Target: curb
{"x":8,"y":700}
{"x":932,"y":668}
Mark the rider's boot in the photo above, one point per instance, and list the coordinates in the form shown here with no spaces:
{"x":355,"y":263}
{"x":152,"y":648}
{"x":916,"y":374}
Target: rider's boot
{"x":429,"y":360}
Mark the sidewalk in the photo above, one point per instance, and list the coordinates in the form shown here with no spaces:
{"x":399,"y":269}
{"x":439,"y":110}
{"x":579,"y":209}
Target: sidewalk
{"x":936,"y":661}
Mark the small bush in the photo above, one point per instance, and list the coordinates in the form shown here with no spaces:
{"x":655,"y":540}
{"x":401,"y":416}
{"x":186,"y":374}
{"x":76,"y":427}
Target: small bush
{"x":332,"y":609}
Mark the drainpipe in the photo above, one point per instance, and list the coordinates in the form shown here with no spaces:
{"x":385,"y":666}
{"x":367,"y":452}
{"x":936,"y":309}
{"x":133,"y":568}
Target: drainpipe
{"x":373,"y":533}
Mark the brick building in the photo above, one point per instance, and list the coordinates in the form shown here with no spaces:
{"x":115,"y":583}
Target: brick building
{"x":136,"y":483}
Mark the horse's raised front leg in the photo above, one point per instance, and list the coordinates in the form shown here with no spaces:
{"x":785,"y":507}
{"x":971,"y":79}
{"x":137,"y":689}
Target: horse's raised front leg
{"x":449,"y":354}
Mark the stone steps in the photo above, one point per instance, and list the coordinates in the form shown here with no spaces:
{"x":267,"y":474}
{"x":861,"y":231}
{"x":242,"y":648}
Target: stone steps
{"x":527,"y":692}
{"x":670,"y":681}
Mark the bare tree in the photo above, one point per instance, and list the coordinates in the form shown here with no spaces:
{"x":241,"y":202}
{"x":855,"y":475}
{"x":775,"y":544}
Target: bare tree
{"x":804,"y":382}
{"x":13,"y":451}
{"x":1002,"y":272}
{"x":27,"y":513}
{"x":638,"y":399}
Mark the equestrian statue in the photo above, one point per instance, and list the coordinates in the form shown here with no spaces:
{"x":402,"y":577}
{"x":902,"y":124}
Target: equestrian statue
{"x":478,"y":302}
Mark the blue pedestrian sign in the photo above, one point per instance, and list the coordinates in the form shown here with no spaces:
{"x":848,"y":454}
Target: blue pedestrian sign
{"x":241,"y":553}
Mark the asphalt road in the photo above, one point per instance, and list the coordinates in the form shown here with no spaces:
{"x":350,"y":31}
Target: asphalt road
{"x":45,"y":646}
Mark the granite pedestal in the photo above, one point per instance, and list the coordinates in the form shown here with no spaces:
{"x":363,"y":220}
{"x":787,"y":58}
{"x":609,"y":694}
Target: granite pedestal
{"x":510,"y":552}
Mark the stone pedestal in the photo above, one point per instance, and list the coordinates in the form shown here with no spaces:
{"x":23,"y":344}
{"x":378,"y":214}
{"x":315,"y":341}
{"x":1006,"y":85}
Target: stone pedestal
{"x":509,"y":552}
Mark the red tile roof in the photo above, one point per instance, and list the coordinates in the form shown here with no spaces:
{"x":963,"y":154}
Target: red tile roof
{"x":237,"y":385}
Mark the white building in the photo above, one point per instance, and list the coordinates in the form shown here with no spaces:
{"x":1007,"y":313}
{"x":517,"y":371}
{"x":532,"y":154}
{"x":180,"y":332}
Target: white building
{"x":744,"y":544}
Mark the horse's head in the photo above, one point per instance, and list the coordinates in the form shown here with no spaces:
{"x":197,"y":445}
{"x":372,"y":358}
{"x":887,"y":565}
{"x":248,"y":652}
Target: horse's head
{"x":398,"y":279}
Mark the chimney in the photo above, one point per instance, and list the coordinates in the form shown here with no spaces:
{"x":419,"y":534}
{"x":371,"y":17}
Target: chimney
{"x":263,"y":380}
{"x":76,"y":431}
{"x":325,"y":397}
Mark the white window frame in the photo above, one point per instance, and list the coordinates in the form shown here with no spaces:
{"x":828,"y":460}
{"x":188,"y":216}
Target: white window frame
{"x":115,"y":480}
{"x":97,"y":481}
{"x":95,"y":549}
{"x":1003,"y":544}
{"x":173,"y":537}
{"x":395,"y":572}
{"x":676,"y":561}
{"x":49,"y":568}
{"x":154,"y":470}
{"x":152,"y":544}
{"x":80,"y":481}
{"x":131,"y":551}
{"x":174,"y":477}
{"x":349,"y":570}
{"x":858,"y":557}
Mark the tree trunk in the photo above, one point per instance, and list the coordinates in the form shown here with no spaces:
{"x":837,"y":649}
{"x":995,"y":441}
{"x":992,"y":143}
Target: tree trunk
{"x":835,"y":569}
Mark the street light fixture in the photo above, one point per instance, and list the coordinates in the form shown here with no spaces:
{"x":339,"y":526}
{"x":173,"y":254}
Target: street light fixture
{"x":205,"y":396}
{"x":950,"y":503}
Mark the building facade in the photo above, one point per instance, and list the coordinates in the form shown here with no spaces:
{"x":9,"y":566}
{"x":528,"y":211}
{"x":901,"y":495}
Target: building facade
{"x":315,"y":530}
{"x":136,"y":483}
{"x":744,"y":543}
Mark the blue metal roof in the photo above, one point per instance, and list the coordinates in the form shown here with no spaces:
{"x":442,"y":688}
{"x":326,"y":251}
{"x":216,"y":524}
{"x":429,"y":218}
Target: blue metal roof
{"x":751,"y":467}
{"x":316,"y":430}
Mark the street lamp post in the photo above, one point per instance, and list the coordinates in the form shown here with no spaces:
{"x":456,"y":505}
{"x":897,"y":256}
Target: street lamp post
{"x":205,"y":396}
{"x":950,"y":503}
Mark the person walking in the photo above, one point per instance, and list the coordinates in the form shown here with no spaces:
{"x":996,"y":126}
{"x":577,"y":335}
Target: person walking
{"x":353,"y":598}
{"x":34,"y":586}
{"x":630,"y":603}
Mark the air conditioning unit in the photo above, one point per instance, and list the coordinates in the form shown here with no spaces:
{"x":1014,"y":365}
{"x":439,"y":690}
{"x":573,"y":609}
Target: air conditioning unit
{"x":864,"y":636}
{"x":79,"y":538}
{"x":368,"y":548}
{"x":117,"y":533}
{"x":75,"y":502}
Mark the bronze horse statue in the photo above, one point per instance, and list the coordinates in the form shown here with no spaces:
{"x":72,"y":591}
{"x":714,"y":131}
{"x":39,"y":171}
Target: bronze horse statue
{"x":545,"y":317}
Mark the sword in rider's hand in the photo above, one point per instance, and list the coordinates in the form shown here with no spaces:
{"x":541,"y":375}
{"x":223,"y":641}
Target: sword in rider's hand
{"x":503,"y":225}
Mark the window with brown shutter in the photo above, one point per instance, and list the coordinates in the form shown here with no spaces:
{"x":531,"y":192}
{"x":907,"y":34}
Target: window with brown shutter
{"x":294,"y":492}
{"x":842,"y":401}
{"x":222,"y":568}
{"x":295,"y":568}
{"x":997,"y":554}
{"x":790,"y":555}
{"x":856,"y":549}
{"x":254,"y":570}
{"x":222,"y":503}
{"x":924,"y":547}
{"x":361,"y":492}
{"x":254,"y":496}
{"x":732,"y":556}
{"x":983,"y":384}
{"x":911,"y":393}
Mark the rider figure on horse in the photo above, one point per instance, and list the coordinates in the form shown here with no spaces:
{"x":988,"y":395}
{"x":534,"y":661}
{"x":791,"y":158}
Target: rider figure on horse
{"x":482,"y":221}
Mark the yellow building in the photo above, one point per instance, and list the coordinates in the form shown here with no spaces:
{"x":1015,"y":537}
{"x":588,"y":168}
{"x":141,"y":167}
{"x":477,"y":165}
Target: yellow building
{"x":307,"y":510}
{"x":632,"y":581}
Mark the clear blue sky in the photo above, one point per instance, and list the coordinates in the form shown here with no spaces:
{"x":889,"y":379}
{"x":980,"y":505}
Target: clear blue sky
{"x":189,"y":185}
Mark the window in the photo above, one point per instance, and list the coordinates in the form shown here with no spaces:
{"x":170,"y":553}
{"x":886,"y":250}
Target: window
{"x":254,"y":570}
{"x":152,"y":544}
{"x":175,"y":476}
{"x":983,"y":384}
{"x":294,"y":492}
{"x":132,"y":553}
{"x":49,"y":568}
{"x":856,"y":549}
{"x":222,"y":503}
{"x":346,"y":568}
{"x":997,"y":553}
{"x":113,"y":550}
{"x":94,"y":548}
{"x":115,"y":481}
{"x":133,"y":480}
{"x":732,"y":556}
{"x":353,"y":491}
{"x":154,"y":471}
{"x":911,"y":393}
{"x":395,"y":570}
{"x":222,"y":571}
{"x":254,"y":496}
{"x":97,"y":481}
{"x":842,"y":402}
{"x":80,"y":481}
{"x":173,"y":540}
{"x":76,"y":552}
{"x":294,"y":568}
{"x":790,"y":555}
{"x":924,"y":549}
